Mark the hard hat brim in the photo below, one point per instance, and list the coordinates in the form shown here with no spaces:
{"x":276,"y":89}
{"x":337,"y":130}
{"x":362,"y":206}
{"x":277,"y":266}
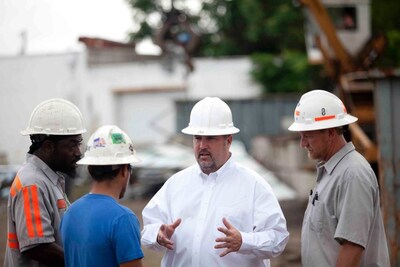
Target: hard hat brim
{"x":300,"y":127}
{"x":108,"y":161}
{"x":209,"y":132}
{"x":31,"y":132}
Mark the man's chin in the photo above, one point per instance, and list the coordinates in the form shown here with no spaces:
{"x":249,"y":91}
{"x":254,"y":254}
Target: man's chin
{"x":205,"y":164}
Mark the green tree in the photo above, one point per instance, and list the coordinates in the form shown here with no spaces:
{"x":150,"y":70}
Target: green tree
{"x":385,"y":19}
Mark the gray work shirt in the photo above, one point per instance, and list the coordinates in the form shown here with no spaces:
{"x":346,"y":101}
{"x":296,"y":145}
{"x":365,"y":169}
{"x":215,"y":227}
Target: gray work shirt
{"x":344,"y":205}
{"x":35,"y":206}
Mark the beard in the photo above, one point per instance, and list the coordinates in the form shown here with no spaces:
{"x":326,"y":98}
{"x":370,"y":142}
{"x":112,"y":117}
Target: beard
{"x":208,"y":164}
{"x":70,"y":170}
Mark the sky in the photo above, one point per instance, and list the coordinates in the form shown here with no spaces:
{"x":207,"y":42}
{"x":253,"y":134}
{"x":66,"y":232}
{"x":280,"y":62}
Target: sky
{"x":54,"y":26}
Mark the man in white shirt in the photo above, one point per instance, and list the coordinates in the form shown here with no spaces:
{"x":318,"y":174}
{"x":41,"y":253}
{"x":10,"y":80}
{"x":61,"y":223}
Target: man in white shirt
{"x":216,"y":212}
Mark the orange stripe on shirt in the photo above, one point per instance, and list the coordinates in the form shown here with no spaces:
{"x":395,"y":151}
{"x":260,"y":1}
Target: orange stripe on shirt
{"x":12,"y":191}
{"x":323,"y":118}
{"x":27,"y":211}
{"x":36,"y":211}
{"x":13,"y":241}
{"x":17,"y":183}
{"x":12,"y":236}
{"x":13,"y":244}
{"x":16,"y":186}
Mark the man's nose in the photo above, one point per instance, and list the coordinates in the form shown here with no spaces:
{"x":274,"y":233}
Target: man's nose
{"x":203,"y":143}
{"x":78,"y":152}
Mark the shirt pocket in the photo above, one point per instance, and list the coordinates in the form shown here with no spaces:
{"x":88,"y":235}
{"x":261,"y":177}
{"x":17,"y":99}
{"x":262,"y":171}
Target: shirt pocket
{"x":234,"y":217}
{"x":317,"y":216}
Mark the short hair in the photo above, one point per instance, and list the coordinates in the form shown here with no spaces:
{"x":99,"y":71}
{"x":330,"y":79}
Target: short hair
{"x":343,"y":129}
{"x":101,"y":173}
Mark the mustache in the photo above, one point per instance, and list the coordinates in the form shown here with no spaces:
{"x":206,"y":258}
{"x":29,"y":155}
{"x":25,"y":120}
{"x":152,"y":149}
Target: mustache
{"x":204,"y":151}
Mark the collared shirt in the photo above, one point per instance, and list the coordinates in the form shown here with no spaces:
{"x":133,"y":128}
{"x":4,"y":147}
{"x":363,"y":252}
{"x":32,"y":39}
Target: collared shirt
{"x":240,"y":195}
{"x":35,"y":206}
{"x":344,"y":205}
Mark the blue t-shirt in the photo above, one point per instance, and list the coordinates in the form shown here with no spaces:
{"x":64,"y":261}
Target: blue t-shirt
{"x":97,"y":231}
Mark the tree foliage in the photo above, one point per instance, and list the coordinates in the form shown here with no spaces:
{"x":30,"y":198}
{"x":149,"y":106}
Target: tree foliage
{"x":385,"y":19}
{"x":289,"y":71}
{"x":249,"y":26}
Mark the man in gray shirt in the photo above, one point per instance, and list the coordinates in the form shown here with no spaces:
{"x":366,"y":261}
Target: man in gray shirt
{"x":37,"y":198}
{"x":343,"y":223}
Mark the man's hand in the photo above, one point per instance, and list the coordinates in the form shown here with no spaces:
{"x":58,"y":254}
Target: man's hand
{"x":165,"y":233}
{"x":232,"y":240}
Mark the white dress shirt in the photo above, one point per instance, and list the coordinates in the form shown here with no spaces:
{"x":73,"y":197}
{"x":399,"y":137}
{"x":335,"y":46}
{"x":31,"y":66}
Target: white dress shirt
{"x":235,"y":192}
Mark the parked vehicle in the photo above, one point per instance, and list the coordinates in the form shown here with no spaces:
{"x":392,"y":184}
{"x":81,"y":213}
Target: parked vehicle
{"x":7,"y":174}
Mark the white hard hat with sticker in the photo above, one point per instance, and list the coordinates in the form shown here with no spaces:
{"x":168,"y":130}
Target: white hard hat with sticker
{"x":319,"y":109}
{"x":109,"y":145}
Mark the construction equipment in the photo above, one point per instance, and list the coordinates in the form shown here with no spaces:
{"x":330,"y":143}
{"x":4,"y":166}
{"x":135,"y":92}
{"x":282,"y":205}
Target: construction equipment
{"x":345,"y":48}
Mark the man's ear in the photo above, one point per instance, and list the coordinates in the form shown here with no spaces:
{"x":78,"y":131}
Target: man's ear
{"x":332,"y":132}
{"x":48,"y":146}
{"x":125,"y":171}
{"x":229,"y":139}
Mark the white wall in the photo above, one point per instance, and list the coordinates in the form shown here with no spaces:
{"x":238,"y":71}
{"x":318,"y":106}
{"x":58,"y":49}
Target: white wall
{"x":25,"y":81}
{"x":147,"y":117}
{"x":223,"y":77}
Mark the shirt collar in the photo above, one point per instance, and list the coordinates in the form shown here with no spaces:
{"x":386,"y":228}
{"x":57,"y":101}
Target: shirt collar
{"x":335,"y":159}
{"x":53,"y":177}
{"x":219,"y":173}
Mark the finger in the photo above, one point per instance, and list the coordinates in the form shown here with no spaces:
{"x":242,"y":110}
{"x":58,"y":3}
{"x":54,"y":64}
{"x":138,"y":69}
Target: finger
{"x":176,"y":223}
{"x":221,"y":239}
{"x":225,"y":252}
{"x":223,"y":230}
{"x":222,"y":245}
{"x":169,"y":245}
{"x":165,"y":242}
{"x":226,"y":223}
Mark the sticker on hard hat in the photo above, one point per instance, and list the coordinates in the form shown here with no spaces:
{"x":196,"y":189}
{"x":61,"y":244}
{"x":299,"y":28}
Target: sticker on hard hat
{"x":117,"y":138}
{"x":323,"y":118}
{"x":99,"y":142}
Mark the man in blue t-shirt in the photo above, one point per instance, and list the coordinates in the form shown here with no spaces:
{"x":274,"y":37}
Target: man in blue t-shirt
{"x":96,"y":230}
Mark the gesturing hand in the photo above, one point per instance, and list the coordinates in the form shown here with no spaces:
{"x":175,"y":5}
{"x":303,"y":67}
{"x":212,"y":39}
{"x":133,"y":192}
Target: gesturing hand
{"x":165,"y":233}
{"x":232,"y":240}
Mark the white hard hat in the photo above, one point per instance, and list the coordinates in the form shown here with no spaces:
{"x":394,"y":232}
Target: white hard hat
{"x":210,"y":116}
{"x":109,"y":145}
{"x":55,"y":117}
{"x":318,"y":110}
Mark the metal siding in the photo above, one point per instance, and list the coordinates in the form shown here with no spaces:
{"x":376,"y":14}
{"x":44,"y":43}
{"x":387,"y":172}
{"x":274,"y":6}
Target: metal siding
{"x":387,"y":99}
{"x":252,"y":116}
